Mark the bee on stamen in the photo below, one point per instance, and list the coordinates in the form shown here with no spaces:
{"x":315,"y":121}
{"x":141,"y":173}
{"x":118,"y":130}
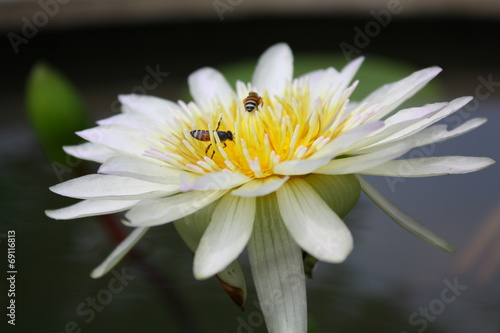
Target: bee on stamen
{"x":253,"y":101}
{"x":204,"y":135}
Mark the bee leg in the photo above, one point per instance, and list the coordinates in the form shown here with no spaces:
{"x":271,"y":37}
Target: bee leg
{"x":218,"y":125}
{"x":206,"y":150}
{"x":211,"y":157}
{"x":225,"y":145}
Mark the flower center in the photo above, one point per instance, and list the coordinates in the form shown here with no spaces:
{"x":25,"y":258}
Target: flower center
{"x":226,"y":136}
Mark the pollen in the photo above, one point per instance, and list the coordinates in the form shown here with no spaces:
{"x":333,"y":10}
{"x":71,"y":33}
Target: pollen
{"x":218,"y":136}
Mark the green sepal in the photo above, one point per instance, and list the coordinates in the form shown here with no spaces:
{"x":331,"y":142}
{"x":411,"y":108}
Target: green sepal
{"x":309,"y":263}
{"x":232,"y":278}
{"x":404,"y":220}
{"x":340,"y":192}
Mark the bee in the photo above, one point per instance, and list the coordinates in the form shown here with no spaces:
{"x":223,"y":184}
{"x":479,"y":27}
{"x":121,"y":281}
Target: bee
{"x":253,"y":101}
{"x":204,"y":135}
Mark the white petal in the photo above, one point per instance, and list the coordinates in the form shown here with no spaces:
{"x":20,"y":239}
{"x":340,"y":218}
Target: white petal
{"x":277,"y":270}
{"x":414,"y":113}
{"x":90,"y":208}
{"x":393,"y":94}
{"x":157,"y":109}
{"x":124,"y":139}
{"x":349,"y":71}
{"x":140,"y":169}
{"x":338,"y":145}
{"x":226,"y":236}
{"x":112,"y":187}
{"x":312,"y":224}
{"x":396,"y":124}
{"x":313,"y":76}
{"x":274,"y":69}
{"x":119,"y":252}
{"x":430,"y":166}
{"x":221,"y":180}
{"x":90,"y":151}
{"x":423,"y":123}
{"x":129,"y":119}
{"x":164,"y":210}
{"x":427,"y":136}
{"x":326,"y":82}
{"x":207,"y":85}
{"x":403,"y":219}
{"x":260,"y":187}
{"x":191,"y":228}
{"x":357,"y":164}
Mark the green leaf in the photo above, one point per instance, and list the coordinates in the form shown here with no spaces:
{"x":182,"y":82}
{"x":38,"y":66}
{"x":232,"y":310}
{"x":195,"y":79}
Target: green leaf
{"x":54,"y":109}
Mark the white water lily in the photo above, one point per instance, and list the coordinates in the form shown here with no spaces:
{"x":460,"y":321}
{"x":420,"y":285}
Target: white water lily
{"x":280,"y":186}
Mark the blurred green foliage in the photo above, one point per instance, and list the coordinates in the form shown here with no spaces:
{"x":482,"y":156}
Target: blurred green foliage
{"x":55,"y":109}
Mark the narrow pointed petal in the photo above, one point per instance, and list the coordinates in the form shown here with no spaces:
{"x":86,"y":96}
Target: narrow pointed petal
{"x":277,"y":269}
{"x":207,"y":85}
{"x":90,"y":208}
{"x":119,"y":252}
{"x":127,"y":166}
{"x":112,"y":187}
{"x":160,"y":211}
{"x":90,"y":151}
{"x":222,"y":180}
{"x":430,"y":166}
{"x":226,"y":235}
{"x":404,"y":220}
{"x":349,"y":71}
{"x":394,"y":94}
{"x":398,"y":123}
{"x":427,"y":136}
{"x":450,"y":108}
{"x":312,"y":224}
{"x":260,"y":187}
{"x":274,"y":69}
{"x":338,"y":145}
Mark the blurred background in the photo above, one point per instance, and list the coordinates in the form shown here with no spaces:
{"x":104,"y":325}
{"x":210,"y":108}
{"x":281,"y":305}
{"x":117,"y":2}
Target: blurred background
{"x":392,"y":282}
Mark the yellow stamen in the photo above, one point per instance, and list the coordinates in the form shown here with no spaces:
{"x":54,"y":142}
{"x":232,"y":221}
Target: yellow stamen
{"x":288,"y":127}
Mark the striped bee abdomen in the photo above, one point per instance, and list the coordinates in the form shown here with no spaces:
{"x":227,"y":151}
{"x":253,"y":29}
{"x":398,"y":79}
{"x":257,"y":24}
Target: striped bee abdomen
{"x":252,"y":101}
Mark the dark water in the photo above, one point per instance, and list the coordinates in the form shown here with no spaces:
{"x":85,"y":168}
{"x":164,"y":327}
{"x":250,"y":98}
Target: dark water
{"x":392,"y":282}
